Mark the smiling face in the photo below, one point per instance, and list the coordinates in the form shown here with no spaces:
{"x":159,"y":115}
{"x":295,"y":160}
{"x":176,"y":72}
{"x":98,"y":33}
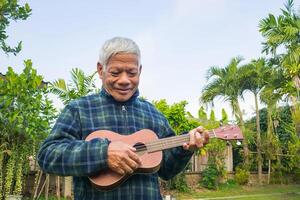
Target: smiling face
{"x":121,"y":76}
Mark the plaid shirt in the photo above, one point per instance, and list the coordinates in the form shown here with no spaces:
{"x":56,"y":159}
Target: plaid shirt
{"x":66,"y":153}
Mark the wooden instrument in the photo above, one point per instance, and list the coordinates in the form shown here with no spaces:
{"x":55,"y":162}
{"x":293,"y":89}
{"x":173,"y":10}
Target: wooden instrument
{"x":149,"y":148}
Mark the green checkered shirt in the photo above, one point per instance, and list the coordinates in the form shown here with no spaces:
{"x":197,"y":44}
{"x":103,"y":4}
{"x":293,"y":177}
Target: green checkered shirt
{"x":65,"y":152}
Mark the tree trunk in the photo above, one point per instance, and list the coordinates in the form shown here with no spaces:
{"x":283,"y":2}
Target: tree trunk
{"x":296,"y":104}
{"x":269,"y":172}
{"x":258,"y":141}
{"x":245,"y":141}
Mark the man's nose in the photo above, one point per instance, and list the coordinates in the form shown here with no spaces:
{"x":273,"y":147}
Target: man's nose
{"x":124,"y":79}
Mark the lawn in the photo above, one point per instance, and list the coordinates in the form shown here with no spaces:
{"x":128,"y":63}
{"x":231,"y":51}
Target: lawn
{"x":270,"y":192}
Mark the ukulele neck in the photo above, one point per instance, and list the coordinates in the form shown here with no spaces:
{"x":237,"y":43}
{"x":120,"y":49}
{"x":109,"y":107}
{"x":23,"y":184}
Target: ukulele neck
{"x":170,"y":142}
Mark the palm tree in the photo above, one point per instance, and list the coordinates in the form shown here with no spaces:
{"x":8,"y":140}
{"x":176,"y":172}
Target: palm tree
{"x":270,"y":95}
{"x":255,"y":76}
{"x":284,"y":31}
{"x":80,"y":85}
{"x":225,"y":83}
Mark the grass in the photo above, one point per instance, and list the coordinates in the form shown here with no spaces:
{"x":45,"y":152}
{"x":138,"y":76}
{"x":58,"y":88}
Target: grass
{"x":233,"y":191}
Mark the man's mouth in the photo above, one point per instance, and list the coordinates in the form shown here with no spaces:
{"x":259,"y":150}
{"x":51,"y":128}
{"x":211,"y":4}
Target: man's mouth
{"x":123,"y":91}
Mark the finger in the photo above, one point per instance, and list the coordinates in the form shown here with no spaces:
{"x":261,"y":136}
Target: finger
{"x":200,"y":129}
{"x":186,"y":146}
{"x":132,"y":148}
{"x":120,"y":171}
{"x":135,"y":157}
{"x":206,"y":137}
{"x":127,"y":169}
{"x":132,"y":164}
{"x":192,"y":137}
{"x":198,"y":140}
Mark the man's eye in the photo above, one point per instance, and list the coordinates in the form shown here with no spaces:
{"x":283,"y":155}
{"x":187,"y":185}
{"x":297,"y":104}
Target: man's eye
{"x":132,"y":74}
{"x":115,"y":74}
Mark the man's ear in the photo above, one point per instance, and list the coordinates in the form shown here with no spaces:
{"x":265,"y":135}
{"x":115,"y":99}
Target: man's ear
{"x":100,"y":70}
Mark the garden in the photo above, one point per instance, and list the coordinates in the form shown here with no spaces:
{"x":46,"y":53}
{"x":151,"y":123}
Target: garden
{"x":270,"y":148}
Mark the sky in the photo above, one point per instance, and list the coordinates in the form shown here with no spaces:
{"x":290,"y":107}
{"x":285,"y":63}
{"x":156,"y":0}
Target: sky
{"x":179,"y":41}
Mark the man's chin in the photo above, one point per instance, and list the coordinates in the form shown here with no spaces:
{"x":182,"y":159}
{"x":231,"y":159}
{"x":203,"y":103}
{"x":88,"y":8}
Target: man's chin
{"x":122,"y":98}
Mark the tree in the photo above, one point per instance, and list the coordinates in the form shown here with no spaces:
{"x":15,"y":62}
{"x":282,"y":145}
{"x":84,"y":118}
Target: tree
{"x":180,"y":121}
{"x":81,"y":85}
{"x":255,"y":76}
{"x":270,"y":96}
{"x":26,"y":115}
{"x":202,"y":114}
{"x":225,"y":83}
{"x":283,"y":31}
{"x":176,"y":115}
{"x":11,"y":10}
{"x":224,"y":119}
{"x":212,"y":116}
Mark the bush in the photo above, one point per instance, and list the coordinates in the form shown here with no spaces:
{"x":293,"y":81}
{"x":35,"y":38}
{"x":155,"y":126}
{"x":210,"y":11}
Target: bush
{"x":178,"y":183}
{"x":241,"y":176}
{"x":210,"y":177}
{"x":277,"y":175}
{"x":229,"y":185}
{"x":296,"y":176}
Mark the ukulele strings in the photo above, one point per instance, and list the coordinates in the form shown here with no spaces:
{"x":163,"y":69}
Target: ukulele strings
{"x":157,"y":144}
{"x":170,"y":142}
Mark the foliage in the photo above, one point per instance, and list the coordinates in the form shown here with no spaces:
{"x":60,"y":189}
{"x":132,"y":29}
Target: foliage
{"x":297,"y":176}
{"x":176,"y":115}
{"x":223,"y":82}
{"x":283,"y":30}
{"x":202,"y":114}
{"x":294,"y":151}
{"x":224,"y":119}
{"x":178,"y":183}
{"x":278,"y":173}
{"x":180,"y":121}
{"x":10,"y":10}
{"x":81,"y":85}
{"x":226,"y":83}
{"x":241,"y":176}
{"x":210,"y":177}
{"x":255,"y":76}
{"x":212,"y":116}
{"x":216,"y":169}
{"x":229,"y":185}
{"x":26,"y":115}
{"x":216,"y":154}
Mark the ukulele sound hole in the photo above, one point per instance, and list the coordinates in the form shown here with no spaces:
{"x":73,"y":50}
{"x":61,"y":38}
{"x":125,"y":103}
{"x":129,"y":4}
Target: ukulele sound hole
{"x":140,"y":148}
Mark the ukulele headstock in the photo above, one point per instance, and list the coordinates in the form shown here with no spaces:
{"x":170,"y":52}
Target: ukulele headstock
{"x":228,"y":132}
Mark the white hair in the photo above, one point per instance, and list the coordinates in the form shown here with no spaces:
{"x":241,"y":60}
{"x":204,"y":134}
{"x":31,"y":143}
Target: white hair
{"x":118,"y":45}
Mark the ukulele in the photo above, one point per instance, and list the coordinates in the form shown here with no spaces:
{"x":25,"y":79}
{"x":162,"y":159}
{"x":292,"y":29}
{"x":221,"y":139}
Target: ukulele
{"x":149,"y":149}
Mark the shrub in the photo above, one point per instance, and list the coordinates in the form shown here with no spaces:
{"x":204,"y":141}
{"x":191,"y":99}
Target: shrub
{"x":178,"y":183}
{"x":241,"y":176}
{"x":296,"y":176}
{"x":210,"y":177}
{"x":229,"y":185}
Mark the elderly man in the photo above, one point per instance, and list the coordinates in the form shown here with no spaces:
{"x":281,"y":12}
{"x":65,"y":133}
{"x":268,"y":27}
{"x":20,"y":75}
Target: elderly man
{"x":116,"y":108}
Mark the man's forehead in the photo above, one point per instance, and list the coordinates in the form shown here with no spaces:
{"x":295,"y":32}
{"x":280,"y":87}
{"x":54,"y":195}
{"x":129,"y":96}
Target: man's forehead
{"x":123,"y":59}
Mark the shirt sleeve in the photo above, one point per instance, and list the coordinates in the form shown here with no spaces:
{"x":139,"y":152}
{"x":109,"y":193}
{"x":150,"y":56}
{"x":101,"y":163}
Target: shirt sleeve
{"x":174,"y":159}
{"x":65,"y":153}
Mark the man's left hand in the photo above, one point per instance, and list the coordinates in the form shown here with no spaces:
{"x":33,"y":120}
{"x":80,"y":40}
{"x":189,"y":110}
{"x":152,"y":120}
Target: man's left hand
{"x":198,"y":138}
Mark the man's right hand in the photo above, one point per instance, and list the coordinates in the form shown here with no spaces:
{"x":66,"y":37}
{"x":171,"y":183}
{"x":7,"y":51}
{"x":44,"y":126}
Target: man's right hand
{"x":122,"y":158}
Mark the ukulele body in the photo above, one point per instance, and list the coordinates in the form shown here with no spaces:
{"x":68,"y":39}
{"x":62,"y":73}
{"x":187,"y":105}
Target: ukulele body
{"x":108,"y":179}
